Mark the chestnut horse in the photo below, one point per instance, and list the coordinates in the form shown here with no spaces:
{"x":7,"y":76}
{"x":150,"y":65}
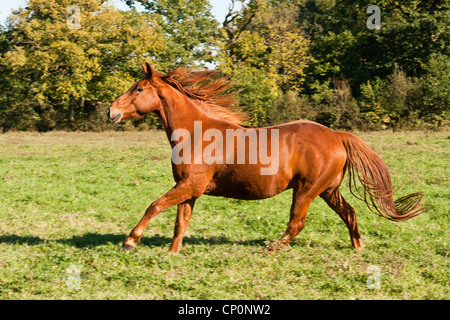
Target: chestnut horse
{"x":311,"y":158}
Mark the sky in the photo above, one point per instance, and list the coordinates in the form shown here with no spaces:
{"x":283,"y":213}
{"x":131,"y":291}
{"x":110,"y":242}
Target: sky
{"x":6,"y":6}
{"x":219,"y":8}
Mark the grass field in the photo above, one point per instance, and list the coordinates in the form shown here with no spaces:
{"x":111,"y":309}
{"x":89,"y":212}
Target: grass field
{"x":68,"y":200}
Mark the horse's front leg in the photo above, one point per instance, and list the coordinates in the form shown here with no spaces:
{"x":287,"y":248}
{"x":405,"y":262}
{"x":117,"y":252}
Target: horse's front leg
{"x":178,"y":194}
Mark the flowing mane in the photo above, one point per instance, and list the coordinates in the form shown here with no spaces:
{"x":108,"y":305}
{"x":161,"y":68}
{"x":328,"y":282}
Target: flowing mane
{"x":207,"y":86}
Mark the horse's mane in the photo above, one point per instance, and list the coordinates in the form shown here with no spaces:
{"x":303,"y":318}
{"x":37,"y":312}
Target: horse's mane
{"x":207,"y":86}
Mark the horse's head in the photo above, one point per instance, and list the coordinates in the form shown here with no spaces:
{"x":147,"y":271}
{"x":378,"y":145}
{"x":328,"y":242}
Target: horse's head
{"x":141,"y":99}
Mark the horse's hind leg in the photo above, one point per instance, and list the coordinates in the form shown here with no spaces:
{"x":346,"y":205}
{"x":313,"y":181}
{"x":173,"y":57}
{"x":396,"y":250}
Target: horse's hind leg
{"x":183,"y":215}
{"x":337,"y":202}
{"x":301,"y":200}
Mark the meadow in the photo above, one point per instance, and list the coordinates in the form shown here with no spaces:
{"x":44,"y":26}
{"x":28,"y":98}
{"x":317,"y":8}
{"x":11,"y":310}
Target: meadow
{"x":68,"y":200}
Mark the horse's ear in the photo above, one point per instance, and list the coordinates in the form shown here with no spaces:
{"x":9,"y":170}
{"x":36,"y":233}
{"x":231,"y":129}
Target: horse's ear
{"x":144,"y":69}
{"x":149,"y":72}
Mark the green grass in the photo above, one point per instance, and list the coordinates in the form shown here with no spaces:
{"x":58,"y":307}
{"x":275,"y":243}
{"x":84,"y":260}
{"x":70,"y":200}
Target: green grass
{"x":70,"y":199}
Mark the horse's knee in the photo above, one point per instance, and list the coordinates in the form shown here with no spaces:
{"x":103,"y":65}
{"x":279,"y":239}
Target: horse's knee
{"x":153,"y":210}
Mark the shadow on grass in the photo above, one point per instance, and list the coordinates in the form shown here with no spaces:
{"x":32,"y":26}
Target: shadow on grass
{"x":90,"y":240}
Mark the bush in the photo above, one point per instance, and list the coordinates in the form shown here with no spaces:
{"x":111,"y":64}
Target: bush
{"x":435,"y":107}
{"x":256,"y":95}
{"x":390,"y":103}
{"x":290,"y":107}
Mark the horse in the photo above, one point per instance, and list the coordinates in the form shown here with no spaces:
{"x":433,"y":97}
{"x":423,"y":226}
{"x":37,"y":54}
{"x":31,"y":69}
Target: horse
{"x":311,"y":159}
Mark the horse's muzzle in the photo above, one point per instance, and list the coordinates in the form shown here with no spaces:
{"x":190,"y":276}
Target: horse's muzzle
{"x":114,"y":117}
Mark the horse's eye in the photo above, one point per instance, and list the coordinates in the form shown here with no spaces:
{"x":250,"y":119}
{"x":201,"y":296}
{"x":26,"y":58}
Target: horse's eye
{"x":140,"y":89}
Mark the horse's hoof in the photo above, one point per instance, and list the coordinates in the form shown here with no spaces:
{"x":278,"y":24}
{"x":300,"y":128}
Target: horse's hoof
{"x":127,"y":247}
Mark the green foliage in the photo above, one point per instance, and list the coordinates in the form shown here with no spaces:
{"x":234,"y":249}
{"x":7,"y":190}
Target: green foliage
{"x":267,"y":37}
{"x":385,"y":77}
{"x":436,"y":91}
{"x":388,"y":69}
{"x":390,"y":102}
{"x":409,"y":33}
{"x":255,"y":94}
{"x":291,"y":106}
{"x":61,"y":74}
{"x":409,"y":102}
{"x":290,"y":60}
{"x":275,"y":43}
{"x":264,"y":49}
{"x":188,"y":28}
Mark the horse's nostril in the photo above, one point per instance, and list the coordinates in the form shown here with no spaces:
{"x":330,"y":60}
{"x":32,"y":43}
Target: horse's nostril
{"x":116,"y":118}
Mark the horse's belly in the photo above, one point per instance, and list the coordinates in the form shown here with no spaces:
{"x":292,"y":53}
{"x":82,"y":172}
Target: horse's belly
{"x":248,"y":185}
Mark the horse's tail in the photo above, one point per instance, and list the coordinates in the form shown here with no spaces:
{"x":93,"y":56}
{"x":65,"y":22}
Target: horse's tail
{"x":373,"y":174}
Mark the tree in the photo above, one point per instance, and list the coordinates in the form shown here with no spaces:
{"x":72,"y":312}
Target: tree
{"x":234,"y":25}
{"x":189,"y":30}
{"x":342,"y":45}
{"x":265,"y":52}
{"x":387,"y":69}
{"x":265,"y":35}
{"x":53,"y":76}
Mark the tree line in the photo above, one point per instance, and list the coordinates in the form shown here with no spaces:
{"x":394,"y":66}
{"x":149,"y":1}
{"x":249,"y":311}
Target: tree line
{"x":289,"y":60}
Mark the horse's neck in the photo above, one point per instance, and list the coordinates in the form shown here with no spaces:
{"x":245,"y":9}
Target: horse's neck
{"x":180,"y":112}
